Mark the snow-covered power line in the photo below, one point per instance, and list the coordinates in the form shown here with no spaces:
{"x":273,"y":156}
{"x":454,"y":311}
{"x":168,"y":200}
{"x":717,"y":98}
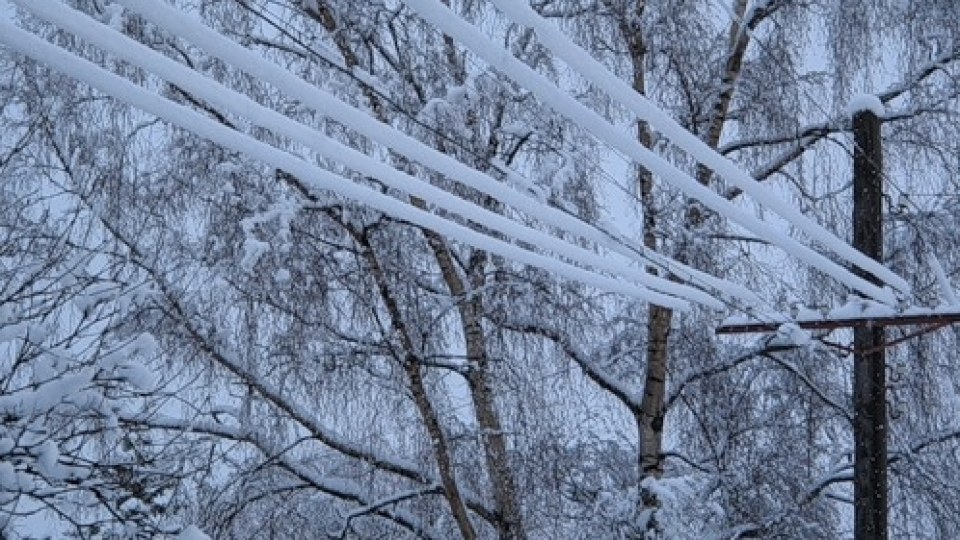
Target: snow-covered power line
{"x":611,"y":238}
{"x":449,"y":22}
{"x":81,"y":69}
{"x":581,"y":61}
{"x":207,"y":39}
{"x":238,"y":104}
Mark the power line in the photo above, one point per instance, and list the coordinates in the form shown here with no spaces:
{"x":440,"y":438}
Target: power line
{"x":186,"y":118}
{"x":279,"y":27}
{"x":167,"y":68}
{"x":267,"y":16}
{"x":679,"y":270}
{"x":920,"y":231}
{"x":138,"y":96}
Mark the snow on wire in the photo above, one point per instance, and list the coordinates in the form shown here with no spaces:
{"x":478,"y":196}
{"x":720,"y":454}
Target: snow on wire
{"x":78,"y":68}
{"x":232,"y":53}
{"x":663,"y":291}
{"x":546,"y":214}
{"x":240,"y":105}
{"x":450,"y":23}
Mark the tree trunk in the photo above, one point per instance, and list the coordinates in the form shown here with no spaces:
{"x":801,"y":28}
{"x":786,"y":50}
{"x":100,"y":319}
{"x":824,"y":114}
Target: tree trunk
{"x":659,"y":319}
{"x":488,"y":417}
{"x":414,"y":371}
{"x":325,"y":16}
{"x":502,"y":480}
{"x":650,"y":421}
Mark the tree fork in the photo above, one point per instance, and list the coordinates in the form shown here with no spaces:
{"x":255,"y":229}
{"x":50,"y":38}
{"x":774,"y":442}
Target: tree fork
{"x":412,"y":367}
{"x":869,"y":362}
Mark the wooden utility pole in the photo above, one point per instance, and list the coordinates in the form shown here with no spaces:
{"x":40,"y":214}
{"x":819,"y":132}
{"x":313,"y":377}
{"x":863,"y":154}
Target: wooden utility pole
{"x":869,"y":344}
{"x":869,"y":358}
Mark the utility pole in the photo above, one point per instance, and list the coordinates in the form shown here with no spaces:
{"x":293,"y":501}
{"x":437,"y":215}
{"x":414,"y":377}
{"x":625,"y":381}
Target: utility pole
{"x":869,"y":345}
{"x":869,"y":358}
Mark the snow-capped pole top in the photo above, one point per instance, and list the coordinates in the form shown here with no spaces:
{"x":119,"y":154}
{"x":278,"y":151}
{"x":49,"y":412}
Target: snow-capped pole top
{"x":865,"y":102}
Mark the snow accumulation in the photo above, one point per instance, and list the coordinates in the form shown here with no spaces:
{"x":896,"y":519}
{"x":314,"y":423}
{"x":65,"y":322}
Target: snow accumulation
{"x":192,"y":532}
{"x":318,"y":178}
{"x":113,"y":16}
{"x":282,"y":275}
{"x":448,"y":21}
{"x":639,"y":283}
{"x":48,"y":465}
{"x":253,"y":251}
{"x":45,"y":397}
{"x":946,"y":289}
{"x":917,"y":310}
{"x":403,"y":144}
{"x":791,"y":335}
{"x":855,"y":308}
{"x":138,"y":375}
{"x":753,"y":318}
{"x":865,"y":102}
{"x":859,"y":308}
{"x":805,"y":314}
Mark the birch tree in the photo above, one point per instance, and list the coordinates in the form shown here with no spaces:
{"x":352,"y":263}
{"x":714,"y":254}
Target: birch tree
{"x":323,"y":370}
